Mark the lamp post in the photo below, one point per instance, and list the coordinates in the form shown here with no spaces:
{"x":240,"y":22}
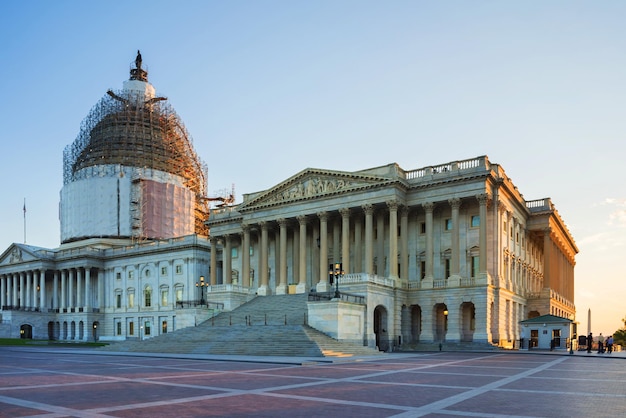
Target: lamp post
{"x":336,"y":272}
{"x":445,"y":321}
{"x":201,"y":285}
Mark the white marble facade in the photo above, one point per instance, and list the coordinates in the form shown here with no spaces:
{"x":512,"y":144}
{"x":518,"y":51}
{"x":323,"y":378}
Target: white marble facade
{"x":472,"y":258}
{"x":103,"y":289}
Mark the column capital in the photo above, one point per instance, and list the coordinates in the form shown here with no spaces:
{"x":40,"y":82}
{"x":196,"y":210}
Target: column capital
{"x":483,"y":198}
{"x":345,"y":212}
{"x":392,"y":204}
{"x":302,"y":219}
{"x":245,"y":227}
{"x":323,"y":215}
{"x":455,"y":202}
{"x":502,"y":208}
{"x":428,"y":206}
{"x":282,"y":222}
{"x":368,"y":208}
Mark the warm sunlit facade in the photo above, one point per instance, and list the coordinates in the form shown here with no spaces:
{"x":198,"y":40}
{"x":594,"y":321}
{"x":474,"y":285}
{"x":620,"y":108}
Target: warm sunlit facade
{"x":450,"y":252}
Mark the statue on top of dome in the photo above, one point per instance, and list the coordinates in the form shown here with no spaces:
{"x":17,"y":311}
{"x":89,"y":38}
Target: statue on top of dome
{"x":138,"y":73}
{"x":138,"y":60}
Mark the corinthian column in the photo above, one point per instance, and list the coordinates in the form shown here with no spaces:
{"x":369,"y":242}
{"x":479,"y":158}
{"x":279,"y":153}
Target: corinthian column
{"x":302,"y":287}
{"x":483,"y":199}
{"x":369,"y":238}
{"x":281,"y":288}
{"x":263,"y":279}
{"x":455,"y":270}
{"x":213,"y":264}
{"x":429,"y":207}
{"x":393,"y":239}
{"x":404,"y":243}
{"x":323,"y":284}
{"x":345,"y":239}
{"x":42,"y":290}
{"x":3,"y":292}
{"x":245,"y":261}
{"x":547,"y":259}
{"x":227,"y":259}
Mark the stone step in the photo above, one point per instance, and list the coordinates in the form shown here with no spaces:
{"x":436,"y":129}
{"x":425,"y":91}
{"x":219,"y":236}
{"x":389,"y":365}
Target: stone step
{"x":265,"y":326}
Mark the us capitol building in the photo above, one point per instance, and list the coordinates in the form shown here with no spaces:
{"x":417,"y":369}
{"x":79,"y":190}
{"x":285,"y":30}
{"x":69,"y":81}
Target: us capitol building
{"x":448,"y":252}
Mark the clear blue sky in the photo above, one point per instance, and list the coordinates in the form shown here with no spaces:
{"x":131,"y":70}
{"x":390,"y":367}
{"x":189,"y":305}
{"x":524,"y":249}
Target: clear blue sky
{"x":268,"y":88}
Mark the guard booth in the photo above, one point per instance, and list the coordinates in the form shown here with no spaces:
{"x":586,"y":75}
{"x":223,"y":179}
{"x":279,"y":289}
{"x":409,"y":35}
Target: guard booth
{"x":548,"y":332}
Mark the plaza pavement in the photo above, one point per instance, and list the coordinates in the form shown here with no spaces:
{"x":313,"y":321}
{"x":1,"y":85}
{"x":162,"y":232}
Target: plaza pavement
{"x":57,"y":382}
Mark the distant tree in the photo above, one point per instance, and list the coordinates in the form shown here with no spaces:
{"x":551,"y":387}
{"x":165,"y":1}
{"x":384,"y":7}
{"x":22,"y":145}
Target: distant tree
{"x":619,"y":337}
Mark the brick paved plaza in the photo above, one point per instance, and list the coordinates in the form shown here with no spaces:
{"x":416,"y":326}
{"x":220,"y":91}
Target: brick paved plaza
{"x":86,"y":383}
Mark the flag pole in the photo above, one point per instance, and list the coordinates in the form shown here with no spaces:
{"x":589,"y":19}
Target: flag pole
{"x":24,"y":220}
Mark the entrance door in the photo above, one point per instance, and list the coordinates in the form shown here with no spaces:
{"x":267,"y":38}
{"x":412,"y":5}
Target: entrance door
{"x":534,"y":338}
{"x":26,"y":332}
{"x":380,"y":328}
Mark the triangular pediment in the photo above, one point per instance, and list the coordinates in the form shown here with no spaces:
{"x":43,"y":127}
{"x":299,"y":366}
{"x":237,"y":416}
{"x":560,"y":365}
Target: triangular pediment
{"x":20,"y":253}
{"x":313,"y":183}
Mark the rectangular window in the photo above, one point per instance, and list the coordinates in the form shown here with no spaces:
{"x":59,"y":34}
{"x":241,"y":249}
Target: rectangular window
{"x":234,"y":252}
{"x":447,"y":268}
{"x":131,"y":328}
{"x":163,"y":271}
{"x":423,"y":269}
{"x":179,"y":295}
{"x":147,"y":328}
{"x":130,"y":274}
{"x":131,"y":300}
{"x":164,"y":327}
{"x":179,"y":269}
{"x":118,"y":275}
{"x":422,"y":227}
{"x":118,"y":328}
{"x":118,"y":300}
{"x":147,"y":298}
{"x":448,"y":224}
{"x":164,"y":297}
{"x":475,"y":221}
{"x":475,"y":262}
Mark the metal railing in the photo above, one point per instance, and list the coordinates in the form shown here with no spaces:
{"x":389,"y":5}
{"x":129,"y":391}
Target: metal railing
{"x":346,"y":297}
{"x":189,"y":304}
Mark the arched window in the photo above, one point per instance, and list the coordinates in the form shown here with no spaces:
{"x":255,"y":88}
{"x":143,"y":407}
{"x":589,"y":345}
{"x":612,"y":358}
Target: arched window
{"x":147,"y":296}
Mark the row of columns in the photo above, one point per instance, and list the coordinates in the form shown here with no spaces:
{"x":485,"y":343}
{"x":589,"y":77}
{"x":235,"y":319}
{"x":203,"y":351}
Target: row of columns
{"x":300,"y":238}
{"x":70,"y":289}
{"x":24,"y":289}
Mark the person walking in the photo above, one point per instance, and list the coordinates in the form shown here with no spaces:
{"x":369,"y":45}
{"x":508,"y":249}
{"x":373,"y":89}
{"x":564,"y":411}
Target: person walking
{"x":589,"y":342}
{"x":609,"y":344}
{"x":600,"y":344}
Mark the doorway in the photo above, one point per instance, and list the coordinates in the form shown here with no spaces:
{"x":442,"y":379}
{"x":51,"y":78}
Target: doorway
{"x":380,"y":328}
{"x":26,"y":332}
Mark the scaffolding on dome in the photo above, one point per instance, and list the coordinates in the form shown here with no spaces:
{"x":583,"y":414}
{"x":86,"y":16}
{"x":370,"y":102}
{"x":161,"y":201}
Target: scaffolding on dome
{"x":125,"y":129}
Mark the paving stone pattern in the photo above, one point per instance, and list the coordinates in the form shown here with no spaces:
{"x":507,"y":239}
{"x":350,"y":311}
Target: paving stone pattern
{"x":52,"y":382}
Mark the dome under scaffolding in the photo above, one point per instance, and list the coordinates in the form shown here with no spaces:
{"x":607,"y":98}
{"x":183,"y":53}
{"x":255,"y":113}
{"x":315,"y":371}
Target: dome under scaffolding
{"x":132,"y":132}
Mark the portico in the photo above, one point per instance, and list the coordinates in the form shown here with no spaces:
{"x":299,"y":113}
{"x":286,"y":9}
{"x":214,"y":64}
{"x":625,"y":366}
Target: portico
{"x":414,"y":243}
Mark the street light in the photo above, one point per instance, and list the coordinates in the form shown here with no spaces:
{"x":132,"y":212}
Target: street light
{"x":336,"y":272}
{"x":201,"y":285}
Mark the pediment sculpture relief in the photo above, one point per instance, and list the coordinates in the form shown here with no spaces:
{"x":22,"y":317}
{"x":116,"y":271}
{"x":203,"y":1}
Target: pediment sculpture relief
{"x":16,"y":256}
{"x":309,"y":188}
